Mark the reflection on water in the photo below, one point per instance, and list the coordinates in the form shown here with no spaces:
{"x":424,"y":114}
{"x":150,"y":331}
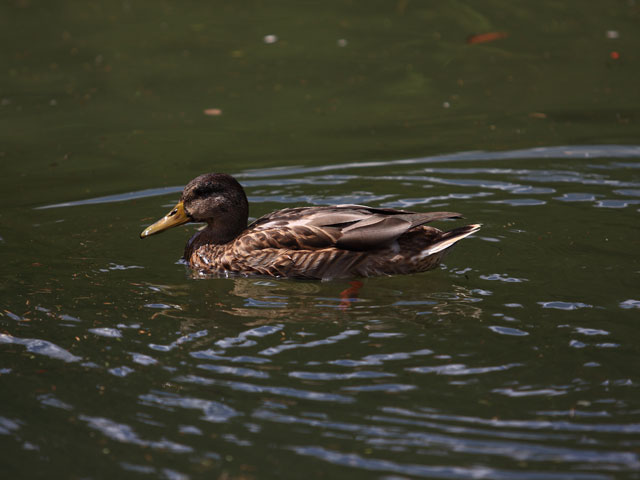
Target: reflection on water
{"x":301,"y":177}
{"x":513,"y":360}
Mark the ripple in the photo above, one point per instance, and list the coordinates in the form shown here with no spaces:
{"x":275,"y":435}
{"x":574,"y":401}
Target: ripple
{"x":130,"y":467}
{"x":380,"y":358}
{"x":472,"y":182}
{"x":212,"y":411}
{"x":590,"y":331}
{"x":50,"y":400}
{"x":576,"y":197}
{"x":115,"y":266}
{"x":520,"y":202}
{"x":257,"y":177}
{"x":514,"y":332}
{"x":527,"y":392}
{"x":183,"y":339}
{"x":121,"y":371}
{"x":124,"y":326}
{"x":573,"y":413}
{"x":143,"y":359}
{"x":381,"y":387}
{"x":378,"y":465}
{"x":13,"y":316}
{"x":291,"y":376}
{"x":635,"y":192}
{"x":324,"y":376}
{"x":535,"y":425}
{"x":575,"y":177}
{"x":316,"y":343}
{"x":8,"y":425}
{"x":123,"y":433}
{"x":577,"y":344}
{"x":404,"y":203}
{"x":388,"y":334}
{"x":253,"y":388}
{"x":457,"y":369}
{"x":627,"y":304}
{"x":215,"y":355}
{"x":242,"y":339}
{"x":189,"y":430}
{"x":162,"y":306}
{"x":503,"y":277}
{"x":565,"y":305}
{"x":40,"y":347}
{"x":106,"y":332}
{"x":237,"y":371}
{"x":119,"y":197}
{"x":616,"y":203}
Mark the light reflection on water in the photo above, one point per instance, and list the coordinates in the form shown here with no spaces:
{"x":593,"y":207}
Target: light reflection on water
{"x":536,"y":176}
{"x":502,"y":365}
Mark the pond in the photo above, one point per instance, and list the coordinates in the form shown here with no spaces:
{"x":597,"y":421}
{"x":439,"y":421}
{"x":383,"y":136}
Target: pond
{"x":517,"y":358}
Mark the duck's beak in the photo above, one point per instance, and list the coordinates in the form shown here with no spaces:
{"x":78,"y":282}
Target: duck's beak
{"x":177,"y":216}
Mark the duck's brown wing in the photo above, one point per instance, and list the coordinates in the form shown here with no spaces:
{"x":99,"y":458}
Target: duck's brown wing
{"x":349,"y":227}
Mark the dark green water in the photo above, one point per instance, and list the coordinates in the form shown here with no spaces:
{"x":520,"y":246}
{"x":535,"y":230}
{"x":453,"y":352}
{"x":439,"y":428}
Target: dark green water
{"x":518,"y":359}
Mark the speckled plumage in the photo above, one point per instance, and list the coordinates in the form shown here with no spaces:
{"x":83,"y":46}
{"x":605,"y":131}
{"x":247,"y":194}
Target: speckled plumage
{"x":307,"y":242}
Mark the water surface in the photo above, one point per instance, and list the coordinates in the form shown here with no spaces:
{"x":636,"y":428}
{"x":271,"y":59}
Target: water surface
{"x":517,"y":359}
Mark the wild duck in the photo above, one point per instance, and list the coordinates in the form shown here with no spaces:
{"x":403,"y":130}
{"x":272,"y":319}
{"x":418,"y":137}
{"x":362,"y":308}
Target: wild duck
{"x":304,"y":242}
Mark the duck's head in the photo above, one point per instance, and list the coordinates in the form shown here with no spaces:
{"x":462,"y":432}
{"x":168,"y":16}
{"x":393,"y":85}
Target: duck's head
{"x":214,"y":198}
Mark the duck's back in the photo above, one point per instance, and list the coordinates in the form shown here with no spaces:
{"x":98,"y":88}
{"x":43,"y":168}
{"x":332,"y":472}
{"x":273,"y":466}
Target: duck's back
{"x":332,"y":242}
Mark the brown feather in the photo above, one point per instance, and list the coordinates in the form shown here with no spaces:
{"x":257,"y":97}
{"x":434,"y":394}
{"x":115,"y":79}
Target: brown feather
{"x":310,"y":242}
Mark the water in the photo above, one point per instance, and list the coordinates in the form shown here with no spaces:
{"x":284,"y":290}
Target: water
{"x":517,"y":359}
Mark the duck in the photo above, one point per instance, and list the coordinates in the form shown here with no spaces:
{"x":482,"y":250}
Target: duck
{"x":318,"y":242}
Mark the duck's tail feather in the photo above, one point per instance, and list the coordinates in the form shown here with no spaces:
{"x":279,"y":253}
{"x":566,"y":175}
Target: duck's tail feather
{"x":450,"y":238}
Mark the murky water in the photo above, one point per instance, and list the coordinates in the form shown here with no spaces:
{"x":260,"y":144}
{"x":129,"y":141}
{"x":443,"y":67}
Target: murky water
{"x":517,"y":359}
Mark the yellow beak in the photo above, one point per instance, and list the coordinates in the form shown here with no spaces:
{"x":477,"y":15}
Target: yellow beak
{"x":177,"y":216}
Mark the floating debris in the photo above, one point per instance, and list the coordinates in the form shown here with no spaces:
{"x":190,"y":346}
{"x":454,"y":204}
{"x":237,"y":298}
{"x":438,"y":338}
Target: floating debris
{"x":486,"y":37}
{"x":269,"y":39}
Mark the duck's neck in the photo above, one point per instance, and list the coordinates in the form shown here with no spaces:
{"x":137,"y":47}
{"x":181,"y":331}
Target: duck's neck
{"x":215,"y":233}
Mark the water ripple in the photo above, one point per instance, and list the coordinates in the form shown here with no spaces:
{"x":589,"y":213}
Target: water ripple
{"x":564,"y":305}
{"x":325,"y":341}
{"x":106,"y":332}
{"x":324,"y":376}
{"x":503,"y":277}
{"x":260,"y":177}
{"x":379,"y":465}
{"x":142,"y":359}
{"x":380,"y":358}
{"x":40,"y":347}
{"x":537,"y":425}
{"x":212,"y":411}
{"x":253,"y":388}
{"x":381,"y":387}
{"x":242,"y":340}
{"x":237,"y":371}
{"x":514,"y":332}
{"x":51,"y":401}
{"x":255,"y":362}
{"x":7,"y":425}
{"x":125,"y":434}
{"x":183,"y":339}
{"x":529,"y":392}
{"x":461,"y":369}
{"x":630,"y":303}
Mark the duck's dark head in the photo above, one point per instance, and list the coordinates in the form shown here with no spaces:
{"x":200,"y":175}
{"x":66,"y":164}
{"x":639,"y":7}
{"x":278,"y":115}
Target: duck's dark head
{"x":214,"y":198}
